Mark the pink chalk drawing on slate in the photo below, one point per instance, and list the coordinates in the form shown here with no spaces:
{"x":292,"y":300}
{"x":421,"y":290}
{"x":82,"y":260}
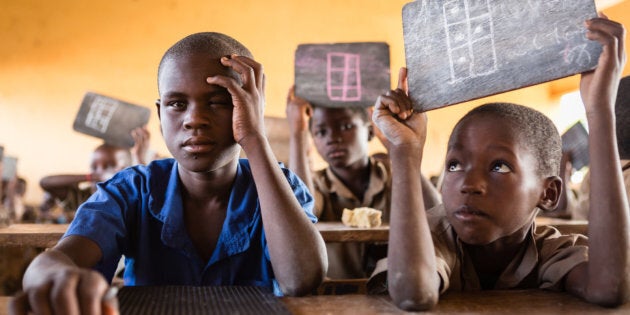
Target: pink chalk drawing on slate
{"x":343,"y":80}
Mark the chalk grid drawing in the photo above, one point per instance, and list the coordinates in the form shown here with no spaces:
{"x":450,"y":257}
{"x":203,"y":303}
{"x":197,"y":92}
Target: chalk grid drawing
{"x":101,"y":112}
{"x":343,"y":76}
{"x":469,"y":39}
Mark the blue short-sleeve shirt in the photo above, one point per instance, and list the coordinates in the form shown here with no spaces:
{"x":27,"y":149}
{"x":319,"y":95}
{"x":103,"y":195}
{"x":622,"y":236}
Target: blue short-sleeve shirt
{"x":139,"y":214}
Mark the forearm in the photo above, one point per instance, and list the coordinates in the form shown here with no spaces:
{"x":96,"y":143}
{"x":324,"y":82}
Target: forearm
{"x":297,"y":250}
{"x":608,"y":215}
{"x":299,"y":157}
{"x":412,"y":274}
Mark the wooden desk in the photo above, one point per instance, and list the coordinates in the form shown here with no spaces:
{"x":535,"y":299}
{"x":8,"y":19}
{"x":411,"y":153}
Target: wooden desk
{"x":37,"y":235}
{"x":47,"y":235}
{"x":485,"y":302}
{"x":337,"y":232}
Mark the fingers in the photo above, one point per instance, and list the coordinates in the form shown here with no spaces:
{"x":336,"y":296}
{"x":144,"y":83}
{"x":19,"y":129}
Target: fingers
{"x":608,"y":33}
{"x":18,"y":305}
{"x":397,"y":102}
{"x":91,"y":290}
{"x":63,"y":294}
{"x":38,"y":300}
{"x":251,"y":72}
{"x":402,"y":80}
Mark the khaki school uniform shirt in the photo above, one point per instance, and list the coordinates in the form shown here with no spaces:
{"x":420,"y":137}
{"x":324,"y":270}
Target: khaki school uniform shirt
{"x":352,"y":260}
{"x":543,"y":262}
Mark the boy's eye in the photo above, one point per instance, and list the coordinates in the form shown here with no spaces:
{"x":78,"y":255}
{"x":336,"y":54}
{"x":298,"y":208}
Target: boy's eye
{"x":319,"y":133}
{"x":347,"y":126}
{"x":176,"y":104}
{"x":501,"y":167}
{"x":453,"y":167}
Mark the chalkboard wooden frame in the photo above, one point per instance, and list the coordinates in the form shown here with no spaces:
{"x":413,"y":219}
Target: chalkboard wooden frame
{"x":110,"y":119}
{"x":342,"y":74}
{"x":460,"y":50}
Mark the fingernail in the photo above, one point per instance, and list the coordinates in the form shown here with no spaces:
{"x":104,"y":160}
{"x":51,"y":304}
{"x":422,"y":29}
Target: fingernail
{"x":224,"y":58}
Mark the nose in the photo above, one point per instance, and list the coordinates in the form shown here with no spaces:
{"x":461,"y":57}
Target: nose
{"x":474,"y":183}
{"x":334,"y":136}
{"x":196,"y":117}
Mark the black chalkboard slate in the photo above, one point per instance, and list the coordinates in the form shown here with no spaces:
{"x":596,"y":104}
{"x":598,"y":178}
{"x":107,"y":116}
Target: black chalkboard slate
{"x":342,"y":74}
{"x":575,"y":140}
{"x":459,"y":50}
{"x":110,"y":119}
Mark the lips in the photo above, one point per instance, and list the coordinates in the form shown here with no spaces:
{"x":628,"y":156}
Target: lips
{"x":468,"y":213}
{"x":198,"y":145}
{"x":336,"y":153}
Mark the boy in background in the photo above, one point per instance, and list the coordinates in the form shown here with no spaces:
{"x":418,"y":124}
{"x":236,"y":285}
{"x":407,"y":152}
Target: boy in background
{"x":352,"y":179}
{"x":502,"y":165}
{"x":205,"y":217}
{"x":65,"y":192}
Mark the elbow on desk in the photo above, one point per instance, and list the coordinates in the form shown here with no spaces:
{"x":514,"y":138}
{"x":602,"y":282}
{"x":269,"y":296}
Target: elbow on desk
{"x":420,"y":300}
{"x":608,"y":298}
{"x":300,"y":286}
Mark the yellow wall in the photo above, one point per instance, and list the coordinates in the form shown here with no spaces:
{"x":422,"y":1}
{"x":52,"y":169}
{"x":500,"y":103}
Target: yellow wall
{"x":52,"y":52}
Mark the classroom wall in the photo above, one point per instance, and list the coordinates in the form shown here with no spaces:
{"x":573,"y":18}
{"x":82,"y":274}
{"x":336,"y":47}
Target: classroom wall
{"x":52,"y":52}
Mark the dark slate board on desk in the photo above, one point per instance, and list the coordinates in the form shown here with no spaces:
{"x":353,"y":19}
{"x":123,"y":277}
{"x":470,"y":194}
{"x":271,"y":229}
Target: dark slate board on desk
{"x":110,"y":119}
{"x":459,"y":50}
{"x":342,"y":74}
{"x":575,"y":140}
{"x":199,"y":300}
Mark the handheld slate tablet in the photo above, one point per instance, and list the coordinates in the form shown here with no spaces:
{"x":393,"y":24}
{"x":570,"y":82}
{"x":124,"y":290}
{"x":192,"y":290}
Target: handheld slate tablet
{"x":9,"y":167}
{"x":110,"y":119}
{"x":575,"y":140}
{"x":342,"y":74}
{"x":459,"y":50}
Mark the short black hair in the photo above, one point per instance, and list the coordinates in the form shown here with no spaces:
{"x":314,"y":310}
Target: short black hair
{"x":622,"y":116}
{"x":212,"y":43}
{"x":536,"y":130}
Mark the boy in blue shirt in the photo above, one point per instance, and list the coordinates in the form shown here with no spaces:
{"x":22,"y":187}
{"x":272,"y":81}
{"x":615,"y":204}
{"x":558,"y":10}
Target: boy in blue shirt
{"x":502,"y":165}
{"x":205,"y":217}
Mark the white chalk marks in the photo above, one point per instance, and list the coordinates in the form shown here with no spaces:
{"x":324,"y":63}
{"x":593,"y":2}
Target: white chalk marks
{"x":469,"y":38}
{"x":101,"y":113}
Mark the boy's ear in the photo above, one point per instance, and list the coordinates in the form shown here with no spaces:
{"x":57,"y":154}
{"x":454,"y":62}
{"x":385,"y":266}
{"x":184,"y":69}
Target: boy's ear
{"x":157,"y":105}
{"x":551,"y":193}
{"x":370,"y":131}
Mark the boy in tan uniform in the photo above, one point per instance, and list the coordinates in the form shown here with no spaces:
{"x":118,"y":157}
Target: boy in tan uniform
{"x":502,"y":165}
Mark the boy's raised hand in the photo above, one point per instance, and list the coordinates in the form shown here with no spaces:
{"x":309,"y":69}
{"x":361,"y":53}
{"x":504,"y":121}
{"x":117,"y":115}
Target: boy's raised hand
{"x":600,"y":86}
{"x":394,"y":116}
{"x":248,"y":98}
{"x":298,"y":112}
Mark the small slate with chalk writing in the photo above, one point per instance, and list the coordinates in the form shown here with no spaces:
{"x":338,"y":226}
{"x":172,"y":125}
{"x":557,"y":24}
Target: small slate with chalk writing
{"x":342,"y":74}
{"x":459,"y":50}
{"x":110,"y":119}
{"x":575,"y":140}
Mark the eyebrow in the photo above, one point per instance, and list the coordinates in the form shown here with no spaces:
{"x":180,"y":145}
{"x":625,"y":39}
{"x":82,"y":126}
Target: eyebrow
{"x":220,"y":91}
